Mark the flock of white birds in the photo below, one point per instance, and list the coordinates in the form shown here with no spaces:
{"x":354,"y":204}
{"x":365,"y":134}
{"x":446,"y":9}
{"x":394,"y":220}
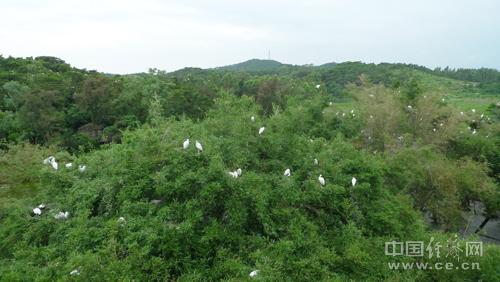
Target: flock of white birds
{"x":37,"y":211}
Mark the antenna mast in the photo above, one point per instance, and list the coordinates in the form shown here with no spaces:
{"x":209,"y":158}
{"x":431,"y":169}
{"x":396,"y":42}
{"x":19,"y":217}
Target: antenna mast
{"x":269,"y":54}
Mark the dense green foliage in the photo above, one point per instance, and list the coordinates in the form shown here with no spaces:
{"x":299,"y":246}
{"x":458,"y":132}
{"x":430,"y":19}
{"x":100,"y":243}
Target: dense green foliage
{"x":419,"y":163}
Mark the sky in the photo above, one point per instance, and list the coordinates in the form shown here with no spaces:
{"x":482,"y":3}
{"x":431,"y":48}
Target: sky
{"x":123,"y":36}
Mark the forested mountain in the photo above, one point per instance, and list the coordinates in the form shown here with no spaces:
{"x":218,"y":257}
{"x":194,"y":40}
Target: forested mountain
{"x":291,"y":173}
{"x":256,"y":65}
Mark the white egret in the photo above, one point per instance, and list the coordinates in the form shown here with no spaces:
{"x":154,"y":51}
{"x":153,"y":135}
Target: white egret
{"x":54,"y":165}
{"x":185,"y":145}
{"x":252,"y":118}
{"x":198,"y":146}
{"x":461,"y":113}
{"x":62,"y":215}
{"x":315,"y":161}
{"x":473,"y":110}
{"x":69,"y":165}
{"x":287,"y":172}
{"x":409,"y":107}
{"x":254,"y":273}
{"x":321,"y":180}
{"x":41,"y":206}
{"x":434,"y":129}
{"x":239,"y":171}
{"x":353,"y":181}
{"x":318,"y":86}
{"x":75,"y":272}
{"x":474,"y":131}
{"x":482,"y":115}
{"x":261,"y":130}
{"x":37,"y":211}
{"x":48,"y":160}
{"x":234,"y":174}
{"x":82,"y":168}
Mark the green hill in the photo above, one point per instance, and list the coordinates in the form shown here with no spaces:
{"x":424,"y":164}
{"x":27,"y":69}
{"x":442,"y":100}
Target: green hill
{"x":256,"y":65}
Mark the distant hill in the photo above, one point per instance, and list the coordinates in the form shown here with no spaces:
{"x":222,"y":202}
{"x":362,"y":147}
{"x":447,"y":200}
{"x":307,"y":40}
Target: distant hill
{"x":256,"y":65}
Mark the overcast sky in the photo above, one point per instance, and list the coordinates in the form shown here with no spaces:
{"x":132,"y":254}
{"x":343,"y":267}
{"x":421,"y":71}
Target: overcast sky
{"x":132,"y":36}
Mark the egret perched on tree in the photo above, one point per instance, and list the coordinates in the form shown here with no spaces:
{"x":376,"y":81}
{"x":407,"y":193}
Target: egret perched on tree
{"x":315,"y":161}
{"x":474,"y":131}
{"x":287,"y":172}
{"x":318,"y":86}
{"x":75,"y":272}
{"x":473,"y":110}
{"x":185,"y":145}
{"x":261,"y":130}
{"x":321,"y":180}
{"x":82,"y":168}
{"x":254,"y":273}
{"x":198,"y":146}
{"x":239,"y":171}
{"x":62,"y":215}
{"x":48,"y":160}
{"x":69,"y":165}
{"x":353,"y":181}
{"x":54,"y":165}
{"x":37,"y":211}
{"x":252,"y":118}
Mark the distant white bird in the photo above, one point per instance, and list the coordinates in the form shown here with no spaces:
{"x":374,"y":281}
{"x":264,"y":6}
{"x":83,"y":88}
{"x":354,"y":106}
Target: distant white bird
{"x":482,"y":115}
{"x":330,"y":103}
{"x":48,"y":160}
{"x":62,"y":215}
{"x":343,"y":114}
{"x":234,"y":174}
{"x":434,"y":129}
{"x":185,"y":145}
{"x":239,"y":171}
{"x":473,"y":110}
{"x":82,"y":168}
{"x":371,"y":116}
{"x":75,"y":272}
{"x":441,"y":124}
{"x":474,"y":131}
{"x":261,"y":130}
{"x":69,"y":165}
{"x":315,"y":161}
{"x":352,"y":111}
{"x":442,"y":100}
{"x":462,"y":113}
{"x":254,"y":273}
{"x":41,"y":206}
{"x":37,"y":211}
{"x":353,"y":181}
{"x":321,"y":180}
{"x":287,"y":172}
{"x":54,"y":165}
{"x":409,"y":107}
{"x":318,"y":86}
{"x":198,"y":146}
{"x":252,"y":118}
